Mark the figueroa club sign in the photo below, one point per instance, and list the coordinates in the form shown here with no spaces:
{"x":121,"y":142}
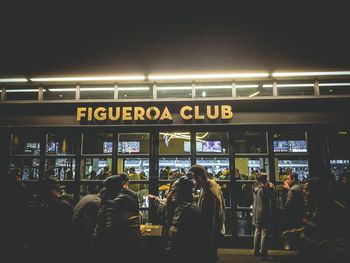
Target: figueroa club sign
{"x":153,"y":113}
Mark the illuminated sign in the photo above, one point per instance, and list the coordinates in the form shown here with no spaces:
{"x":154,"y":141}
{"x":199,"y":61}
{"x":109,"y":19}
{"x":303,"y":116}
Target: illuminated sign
{"x":152,"y":113}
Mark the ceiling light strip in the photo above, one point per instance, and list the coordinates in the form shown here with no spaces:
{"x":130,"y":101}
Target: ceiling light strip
{"x":174,"y":88}
{"x":21,"y":90}
{"x":116,"y":78}
{"x":208,"y":76}
{"x":304,"y":74}
{"x":14,"y":80}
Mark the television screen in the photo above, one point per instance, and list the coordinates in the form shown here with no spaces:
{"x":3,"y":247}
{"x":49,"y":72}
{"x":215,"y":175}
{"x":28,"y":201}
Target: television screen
{"x":297,"y":146}
{"x":107,"y":147}
{"x":280,"y":146}
{"x":52,"y":147}
{"x":32,"y":147}
{"x":129,"y":147}
{"x":212,"y":146}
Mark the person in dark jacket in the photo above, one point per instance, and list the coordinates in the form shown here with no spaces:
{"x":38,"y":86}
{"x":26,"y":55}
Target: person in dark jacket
{"x":262,"y":194}
{"x":212,"y":205}
{"x":295,"y":203}
{"x":185,"y":233}
{"x":14,"y":202}
{"x":54,"y":224}
{"x":118,"y":231}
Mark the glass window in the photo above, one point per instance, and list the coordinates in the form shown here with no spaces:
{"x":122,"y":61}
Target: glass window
{"x":167,"y":166}
{"x":135,"y":91}
{"x":141,"y":166}
{"x":204,"y":90}
{"x":25,"y":144}
{"x":334,"y":88}
{"x":145,"y":217}
{"x":339,"y":142}
{"x":62,"y":168}
{"x":339,"y":167}
{"x":98,"y":143}
{"x":211,"y":142}
{"x":289,"y":142}
{"x":244,"y":223}
{"x":248,"y":168}
{"x":60,"y":144}
{"x":174,"y":143}
{"x":283,"y":167}
{"x":295,"y":89}
{"x":177,"y":90}
{"x":133,"y":143}
{"x":22,"y":93}
{"x":30,"y":167}
{"x":62,"y":92}
{"x":249,"y":142}
{"x":97,"y":92}
{"x":93,"y":168}
{"x":253,"y":89}
{"x":217,"y":168}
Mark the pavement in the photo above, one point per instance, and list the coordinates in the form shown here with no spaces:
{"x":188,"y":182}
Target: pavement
{"x":244,"y":256}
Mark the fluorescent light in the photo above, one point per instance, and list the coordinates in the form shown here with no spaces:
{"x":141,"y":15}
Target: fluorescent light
{"x":214,"y":87}
{"x":62,"y":90}
{"x":21,"y":90}
{"x":207,"y":76}
{"x":96,"y":89}
{"x":173,"y":88}
{"x":246,"y":86}
{"x":135,"y":88}
{"x":89,"y":78}
{"x":296,"y":74}
{"x":254,"y":94}
{"x":333,"y":84}
{"x":267,"y":86}
{"x":294,"y":85}
{"x":14,"y":80}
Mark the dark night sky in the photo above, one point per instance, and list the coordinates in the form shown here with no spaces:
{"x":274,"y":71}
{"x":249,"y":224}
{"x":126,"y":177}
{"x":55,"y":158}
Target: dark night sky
{"x":86,"y":39}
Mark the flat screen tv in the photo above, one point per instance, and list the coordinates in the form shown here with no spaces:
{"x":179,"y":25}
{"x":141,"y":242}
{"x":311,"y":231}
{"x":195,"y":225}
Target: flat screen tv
{"x":280,"y":146}
{"x":107,"y":147}
{"x":52,"y":147}
{"x":212,"y":147}
{"x":297,"y":146}
{"x":129,"y":147}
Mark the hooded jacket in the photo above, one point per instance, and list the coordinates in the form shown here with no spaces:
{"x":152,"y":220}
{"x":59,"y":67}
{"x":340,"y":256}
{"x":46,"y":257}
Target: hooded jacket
{"x":262,"y":194}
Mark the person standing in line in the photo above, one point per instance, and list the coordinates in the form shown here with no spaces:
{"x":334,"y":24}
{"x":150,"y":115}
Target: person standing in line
{"x":14,"y":199}
{"x":262,"y":194}
{"x":184,"y":242}
{"x":134,"y":176}
{"x":54,"y":224}
{"x":212,"y":206}
{"x":295,"y":203}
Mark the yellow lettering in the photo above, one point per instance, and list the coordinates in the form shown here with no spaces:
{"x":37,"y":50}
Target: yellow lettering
{"x":139,"y":113}
{"x":166,"y":115}
{"x":216,"y":112}
{"x":89,"y":114}
{"x":127,"y":113}
{"x":148,"y":113}
{"x":100,"y":114}
{"x":81,"y":113}
{"x":226,"y":112}
{"x":117,"y":113}
{"x":196,"y":114}
{"x":182,"y":112}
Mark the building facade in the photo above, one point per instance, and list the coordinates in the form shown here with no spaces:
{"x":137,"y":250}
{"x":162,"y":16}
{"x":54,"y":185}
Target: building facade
{"x":75,"y":127}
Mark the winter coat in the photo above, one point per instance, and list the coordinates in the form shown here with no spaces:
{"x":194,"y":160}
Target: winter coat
{"x":262,"y":194}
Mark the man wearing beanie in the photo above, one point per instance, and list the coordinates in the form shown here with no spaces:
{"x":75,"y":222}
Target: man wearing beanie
{"x":212,"y":206}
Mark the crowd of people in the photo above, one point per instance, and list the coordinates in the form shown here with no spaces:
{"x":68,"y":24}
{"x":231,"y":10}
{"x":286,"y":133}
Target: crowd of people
{"x":106,"y":224}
